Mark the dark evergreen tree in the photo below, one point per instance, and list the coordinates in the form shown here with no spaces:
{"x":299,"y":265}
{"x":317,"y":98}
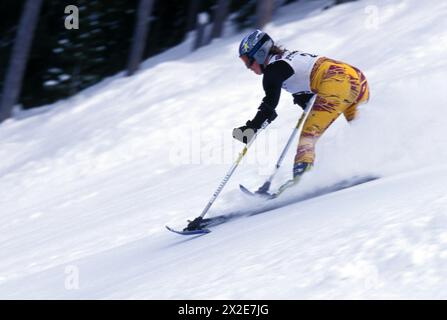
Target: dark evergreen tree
{"x":220,"y":15}
{"x":140,"y":35}
{"x":62,"y":62}
{"x":264,"y":10}
{"x":19,"y":57}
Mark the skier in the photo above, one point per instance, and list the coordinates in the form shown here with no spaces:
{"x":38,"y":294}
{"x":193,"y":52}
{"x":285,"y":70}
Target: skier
{"x":339,"y":88}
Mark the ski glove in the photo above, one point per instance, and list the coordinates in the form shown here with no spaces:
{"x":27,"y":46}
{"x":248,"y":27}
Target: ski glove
{"x":265,"y":112}
{"x":302,"y":99}
{"x":246,"y":133}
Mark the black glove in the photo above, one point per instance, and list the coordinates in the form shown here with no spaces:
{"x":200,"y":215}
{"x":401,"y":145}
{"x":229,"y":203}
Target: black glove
{"x":265,"y":112}
{"x":245,"y":133}
{"x":302,"y":99}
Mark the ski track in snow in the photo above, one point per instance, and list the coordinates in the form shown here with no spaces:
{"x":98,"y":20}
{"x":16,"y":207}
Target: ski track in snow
{"x":89,"y":182}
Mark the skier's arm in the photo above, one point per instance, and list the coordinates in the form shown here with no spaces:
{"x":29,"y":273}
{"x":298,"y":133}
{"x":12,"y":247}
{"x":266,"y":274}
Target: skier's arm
{"x":274,"y":76}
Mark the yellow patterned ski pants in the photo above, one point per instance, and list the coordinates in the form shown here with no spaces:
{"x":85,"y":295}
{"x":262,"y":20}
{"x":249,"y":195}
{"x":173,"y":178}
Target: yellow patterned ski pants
{"x":340,"y":88}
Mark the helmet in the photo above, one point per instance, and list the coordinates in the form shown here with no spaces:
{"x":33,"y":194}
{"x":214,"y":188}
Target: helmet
{"x":256,"y":46}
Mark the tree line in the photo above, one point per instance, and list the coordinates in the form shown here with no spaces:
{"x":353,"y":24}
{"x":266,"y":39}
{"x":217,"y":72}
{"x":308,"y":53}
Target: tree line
{"x":42,"y":61}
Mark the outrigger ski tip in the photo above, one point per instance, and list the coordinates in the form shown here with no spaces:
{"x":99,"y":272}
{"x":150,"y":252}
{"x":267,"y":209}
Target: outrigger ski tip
{"x":189,"y":232}
{"x":263,"y":195}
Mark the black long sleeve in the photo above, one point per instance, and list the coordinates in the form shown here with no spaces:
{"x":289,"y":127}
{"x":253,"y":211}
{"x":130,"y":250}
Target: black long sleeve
{"x":274,"y":75}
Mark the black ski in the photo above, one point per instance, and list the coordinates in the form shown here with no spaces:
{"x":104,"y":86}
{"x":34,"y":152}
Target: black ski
{"x":202,"y":226}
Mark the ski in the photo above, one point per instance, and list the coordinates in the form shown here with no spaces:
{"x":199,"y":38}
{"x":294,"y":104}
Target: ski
{"x":289,"y":183}
{"x":189,"y":232}
{"x":258,"y":193}
{"x":268,"y":195}
{"x":202,"y":226}
{"x":282,"y":188}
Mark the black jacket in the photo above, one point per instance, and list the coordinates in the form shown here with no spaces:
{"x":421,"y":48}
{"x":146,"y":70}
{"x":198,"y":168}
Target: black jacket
{"x":274,"y":76}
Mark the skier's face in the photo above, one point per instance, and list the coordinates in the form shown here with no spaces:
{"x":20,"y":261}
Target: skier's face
{"x":252,"y":65}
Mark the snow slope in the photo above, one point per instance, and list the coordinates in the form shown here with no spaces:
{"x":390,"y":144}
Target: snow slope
{"x":89,"y":183}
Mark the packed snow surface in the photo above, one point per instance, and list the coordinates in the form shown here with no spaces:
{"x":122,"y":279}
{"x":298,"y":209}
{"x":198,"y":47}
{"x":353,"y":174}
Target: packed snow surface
{"x":89,"y":183}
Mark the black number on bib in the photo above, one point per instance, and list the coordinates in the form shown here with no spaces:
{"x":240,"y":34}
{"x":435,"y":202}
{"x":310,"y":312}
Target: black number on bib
{"x":304,"y":54}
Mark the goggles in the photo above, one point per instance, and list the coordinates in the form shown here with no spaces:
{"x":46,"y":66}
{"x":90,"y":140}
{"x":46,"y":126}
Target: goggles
{"x":247,"y":60}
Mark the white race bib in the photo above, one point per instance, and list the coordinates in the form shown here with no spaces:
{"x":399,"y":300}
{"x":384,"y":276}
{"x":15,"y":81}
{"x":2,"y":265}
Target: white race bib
{"x":302,"y":64}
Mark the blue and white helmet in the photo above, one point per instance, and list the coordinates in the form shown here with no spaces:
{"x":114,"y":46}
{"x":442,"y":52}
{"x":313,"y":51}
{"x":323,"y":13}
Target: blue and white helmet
{"x":256,"y":46}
